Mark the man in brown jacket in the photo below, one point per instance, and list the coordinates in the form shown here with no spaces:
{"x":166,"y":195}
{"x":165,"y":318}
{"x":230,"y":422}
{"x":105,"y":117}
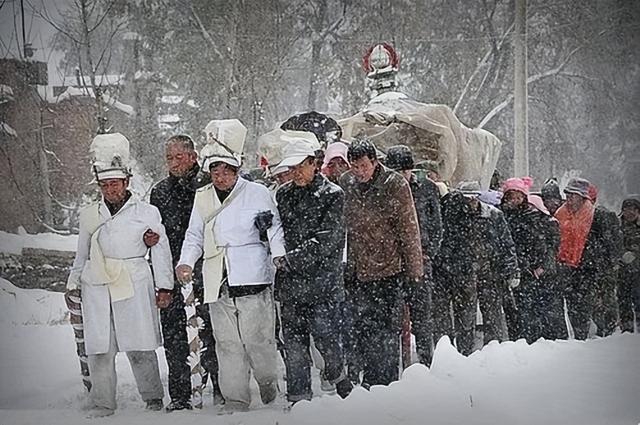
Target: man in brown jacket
{"x":383,"y":254}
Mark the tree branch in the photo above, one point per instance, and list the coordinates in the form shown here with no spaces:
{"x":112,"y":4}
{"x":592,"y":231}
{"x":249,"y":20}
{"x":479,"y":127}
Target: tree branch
{"x":206,"y":34}
{"x":550,"y":73}
{"x":483,"y":62}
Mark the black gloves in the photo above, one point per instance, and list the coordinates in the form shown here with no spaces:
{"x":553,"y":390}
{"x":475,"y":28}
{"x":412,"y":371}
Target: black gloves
{"x":263,"y":221}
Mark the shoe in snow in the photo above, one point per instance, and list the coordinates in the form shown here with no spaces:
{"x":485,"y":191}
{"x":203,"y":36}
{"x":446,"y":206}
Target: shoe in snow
{"x":99,"y":412}
{"x":326,"y":386}
{"x":218,"y":399}
{"x":344,"y":387}
{"x":154,"y":404}
{"x":268,"y":392}
{"x":178,"y":405}
{"x":233,"y":407}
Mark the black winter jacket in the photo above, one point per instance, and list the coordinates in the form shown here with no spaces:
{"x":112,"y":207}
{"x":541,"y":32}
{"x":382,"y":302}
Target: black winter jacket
{"x":174,"y":196}
{"x":314,"y":233}
{"x":427,"y":201}
{"x":476,"y":241}
{"x":532,"y":235}
{"x":604,"y":243}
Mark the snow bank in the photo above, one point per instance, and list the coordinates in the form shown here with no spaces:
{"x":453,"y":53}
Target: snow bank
{"x":12,"y":243}
{"x":30,"y":306}
{"x":561,"y":382}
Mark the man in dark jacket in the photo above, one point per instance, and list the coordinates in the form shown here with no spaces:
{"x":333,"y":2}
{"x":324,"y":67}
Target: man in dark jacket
{"x":476,"y":257}
{"x":629,"y":289}
{"x":607,"y":257}
{"x":426,"y":199}
{"x":383,"y":253}
{"x":310,"y":286}
{"x":582,"y":253}
{"x":173,"y":196}
{"x":536,"y":258}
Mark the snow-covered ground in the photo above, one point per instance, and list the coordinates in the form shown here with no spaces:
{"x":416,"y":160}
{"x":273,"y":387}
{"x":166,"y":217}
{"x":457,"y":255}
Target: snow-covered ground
{"x":564,"y":382}
{"x":13,"y":243}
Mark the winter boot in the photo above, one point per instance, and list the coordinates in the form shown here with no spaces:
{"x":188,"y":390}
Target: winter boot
{"x":178,"y":405}
{"x":344,"y":387}
{"x":268,"y":392}
{"x":99,"y":412}
{"x":155,"y":404}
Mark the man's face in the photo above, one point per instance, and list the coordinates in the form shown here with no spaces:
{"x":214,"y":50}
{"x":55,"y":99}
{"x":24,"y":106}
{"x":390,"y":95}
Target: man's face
{"x":336,"y":167}
{"x":630,"y":214}
{"x":575,"y":201}
{"x":304,"y":172}
{"x":363,"y":168}
{"x":179,"y":159}
{"x":283,"y":177}
{"x":114,"y":190}
{"x":552,"y":204}
{"x":223,"y":176}
{"x":513,"y":199}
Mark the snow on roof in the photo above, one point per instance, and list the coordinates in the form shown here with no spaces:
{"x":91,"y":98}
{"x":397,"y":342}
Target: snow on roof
{"x":7,"y":129}
{"x":102,"y":80}
{"x":74,"y":91}
{"x":146,"y":75}
{"x":171,"y":99}
{"x":168,"y":118}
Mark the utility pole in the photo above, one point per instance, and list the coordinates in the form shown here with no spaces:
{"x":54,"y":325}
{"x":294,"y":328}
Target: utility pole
{"x":521,"y":142}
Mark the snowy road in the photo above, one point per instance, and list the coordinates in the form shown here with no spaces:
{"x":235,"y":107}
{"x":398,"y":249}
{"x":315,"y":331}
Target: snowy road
{"x":565,"y":382}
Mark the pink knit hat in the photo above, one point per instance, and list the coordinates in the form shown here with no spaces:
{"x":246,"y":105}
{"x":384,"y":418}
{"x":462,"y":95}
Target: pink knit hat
{"x":537,"y":202}
{"x":335,"y":150}
{"x":521,"y":185}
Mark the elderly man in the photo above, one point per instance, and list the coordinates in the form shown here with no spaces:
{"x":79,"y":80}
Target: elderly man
{"x":118,"y":289}
{"x":225,"y":225}
{"x":476,"y":258}
{"x":173,"y":196}
{"x":383,"y":254}
{"x":311,"y":288}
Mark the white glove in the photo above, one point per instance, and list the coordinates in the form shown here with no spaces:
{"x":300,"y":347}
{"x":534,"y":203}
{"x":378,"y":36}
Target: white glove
{"x":628,"y":257}
{"x":514,"y":282}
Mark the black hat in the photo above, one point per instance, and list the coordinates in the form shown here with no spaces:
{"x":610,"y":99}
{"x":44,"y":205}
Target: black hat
{"x":399,"y":158}
{"x":632,"y":201}
{"x":550,"y":189}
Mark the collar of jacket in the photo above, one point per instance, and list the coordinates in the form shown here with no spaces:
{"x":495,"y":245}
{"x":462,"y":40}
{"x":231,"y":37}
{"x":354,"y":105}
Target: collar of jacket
{"x":130,"y":200}
{"x":188,"y":179}
{"x":374,"y":181}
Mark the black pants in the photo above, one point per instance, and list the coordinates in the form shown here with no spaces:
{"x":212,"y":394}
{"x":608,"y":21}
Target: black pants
{"x":176,"y":346}
{"x":605,"y":308}
{"x":551,"y":310}
{"x":377,"y":323}
{"x":464,"y":293}
{"x":421,"y":324}
{"x":580,"y":296}
{"x":629,"y":296}
{"x":322,"y":321}
{"x":441,"y":313}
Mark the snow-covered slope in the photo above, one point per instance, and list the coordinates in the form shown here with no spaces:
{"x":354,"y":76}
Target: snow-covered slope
{"x":11,"y":243}
{"x":563,"y":382}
